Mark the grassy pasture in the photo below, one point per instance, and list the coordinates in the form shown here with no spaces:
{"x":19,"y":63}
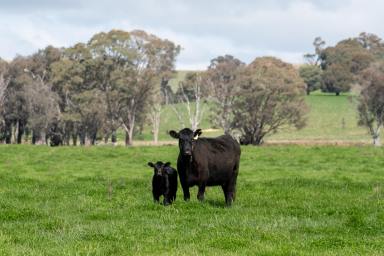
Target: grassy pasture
{"x":291,"y":200}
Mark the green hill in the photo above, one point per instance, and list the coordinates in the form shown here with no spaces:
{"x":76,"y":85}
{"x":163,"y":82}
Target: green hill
{"x":331,"y":119}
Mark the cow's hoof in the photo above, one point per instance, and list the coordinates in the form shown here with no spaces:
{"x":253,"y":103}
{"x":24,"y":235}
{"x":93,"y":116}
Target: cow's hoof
{"x":228,"y":203}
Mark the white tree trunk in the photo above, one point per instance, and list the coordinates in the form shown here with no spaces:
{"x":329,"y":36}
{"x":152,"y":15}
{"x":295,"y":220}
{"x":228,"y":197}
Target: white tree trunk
{"x":155,"y":118}
{"x":15,"y":133}
{"x":41,"y":140}
{"x":128,"y":127}
{"x":376,"y":141}
{"x":87,"y":141}
{"x":195,"y":115}
{"x":376,"y":136}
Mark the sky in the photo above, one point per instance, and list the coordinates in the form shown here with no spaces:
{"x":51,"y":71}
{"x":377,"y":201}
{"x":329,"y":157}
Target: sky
{"x":204,"y":29}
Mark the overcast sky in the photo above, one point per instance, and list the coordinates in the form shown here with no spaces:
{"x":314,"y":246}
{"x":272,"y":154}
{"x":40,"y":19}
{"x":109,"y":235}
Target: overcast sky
{"x":205,"y":29}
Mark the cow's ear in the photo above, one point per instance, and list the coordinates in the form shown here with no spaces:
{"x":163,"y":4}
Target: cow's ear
{"x":167,"y":164}
{"x":197,"y":133}
{"x":174,"y":134}
{"x":151,"y":164}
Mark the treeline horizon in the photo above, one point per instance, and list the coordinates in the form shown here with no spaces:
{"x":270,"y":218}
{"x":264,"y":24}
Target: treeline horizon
{"x":120,"y":80}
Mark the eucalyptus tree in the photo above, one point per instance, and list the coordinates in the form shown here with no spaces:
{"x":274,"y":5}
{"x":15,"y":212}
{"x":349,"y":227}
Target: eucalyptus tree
{"x":371,"y":101}
{"x":270,"y":97}
{"x":15,"y":107}
{"x":42,"y":102}
{"x":221,"y":80}
{"x":137,"y":62}
{"x":4,"y":81}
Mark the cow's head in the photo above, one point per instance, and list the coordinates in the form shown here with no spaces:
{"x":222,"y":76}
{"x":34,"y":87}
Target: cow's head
{"x":187,"y":139}
{"x":159,"y":167}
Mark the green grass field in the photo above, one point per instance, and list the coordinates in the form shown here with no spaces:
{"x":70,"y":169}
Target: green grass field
{"x":291,"y":200}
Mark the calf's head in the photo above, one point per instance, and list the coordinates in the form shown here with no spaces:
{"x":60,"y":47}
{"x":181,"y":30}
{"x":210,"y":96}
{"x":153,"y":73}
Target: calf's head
{"x":187,"y":139}
{"x":159,"y":167}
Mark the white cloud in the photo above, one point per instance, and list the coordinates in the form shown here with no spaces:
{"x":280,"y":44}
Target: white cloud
{"x":205,"y":29}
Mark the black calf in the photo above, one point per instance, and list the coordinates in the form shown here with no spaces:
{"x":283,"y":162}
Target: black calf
{"x":164,"y":182}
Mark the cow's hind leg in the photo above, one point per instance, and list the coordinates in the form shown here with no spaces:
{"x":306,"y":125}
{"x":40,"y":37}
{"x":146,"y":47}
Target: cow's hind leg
{"x":224,"y":187}
{"x":230,"y":191}
{"x":200,"y":193}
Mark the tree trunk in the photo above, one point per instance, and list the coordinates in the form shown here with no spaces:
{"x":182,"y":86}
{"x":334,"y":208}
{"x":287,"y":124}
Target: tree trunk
{"x":8,"y":132}
{"x":15,"y":132}
{"x":40,"y":138}
{"x":74,"y":139}
{"x":93,"y":139}
{"x":156,"y":137}
{"x":258,"y":141}
{"x":128,"y":138}
{"x":106,"y":139}
{"x":376,"y":140}
{"x":20,"y":133}
{"x":87,"y":141}
{"x":33,"y":140}
{"x":113,"y":137}
{"x":156,"y":115}
{"x":67,"y":140}
{"x":128,"y":127}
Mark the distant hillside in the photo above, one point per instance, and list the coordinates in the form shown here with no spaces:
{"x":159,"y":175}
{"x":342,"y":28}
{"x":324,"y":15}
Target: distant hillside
{"x":331,"y":118}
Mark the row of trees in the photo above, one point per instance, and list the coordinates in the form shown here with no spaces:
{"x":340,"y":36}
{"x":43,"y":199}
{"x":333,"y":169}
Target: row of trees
{"x":337,"y":68}
{"x":86,"y":91}
{"x":358,"y":62}
{"x":120,"y":80}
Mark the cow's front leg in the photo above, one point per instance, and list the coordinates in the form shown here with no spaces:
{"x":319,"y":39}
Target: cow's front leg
{"x":166,"y":201}
{"x":200,"y":194}
{"x":185,"y":187}
{"x":156,"y":198}
{"x":187,"y":196}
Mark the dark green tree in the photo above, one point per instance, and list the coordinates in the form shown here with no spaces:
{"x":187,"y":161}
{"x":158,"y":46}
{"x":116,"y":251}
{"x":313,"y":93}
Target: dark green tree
{"x":271,"y":96}
{"x":221,"y":80}
{"x":341,"y":65}
{"x":311,"y":74}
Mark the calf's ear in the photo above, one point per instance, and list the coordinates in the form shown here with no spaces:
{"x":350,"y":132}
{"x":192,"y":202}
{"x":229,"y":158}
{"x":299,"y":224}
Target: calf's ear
{"x":174,"y":134}
{"x":197,"y":133}
{"x":151,"y":164}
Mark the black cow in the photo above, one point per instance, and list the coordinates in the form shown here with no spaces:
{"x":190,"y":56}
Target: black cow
{"x":55,"y":140}
{"x":164,"y":182}
{"x":207,"y":162}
